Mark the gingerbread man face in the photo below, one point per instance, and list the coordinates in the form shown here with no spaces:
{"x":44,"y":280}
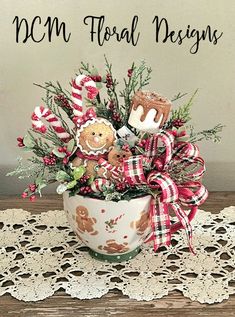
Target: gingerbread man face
{"x":96,"y":136}
{"x":117,"y":155}
{"x":82,"y":211}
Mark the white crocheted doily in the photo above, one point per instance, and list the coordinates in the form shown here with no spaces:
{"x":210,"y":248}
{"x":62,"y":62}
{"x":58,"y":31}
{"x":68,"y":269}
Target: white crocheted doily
{"x":40,"y":254}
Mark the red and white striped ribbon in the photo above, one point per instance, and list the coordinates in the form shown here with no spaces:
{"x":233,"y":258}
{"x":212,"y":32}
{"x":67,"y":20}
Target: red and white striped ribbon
{"x":77,"y":86}
{"x":99,"y":184}
{"x":42,"y":112}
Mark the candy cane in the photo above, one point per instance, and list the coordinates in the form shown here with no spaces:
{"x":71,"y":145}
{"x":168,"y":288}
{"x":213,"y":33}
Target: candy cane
{"x":98,"y":185}
{"x":53,"y":120}
{"x":115,"y":171}
{"x":77,"y":85}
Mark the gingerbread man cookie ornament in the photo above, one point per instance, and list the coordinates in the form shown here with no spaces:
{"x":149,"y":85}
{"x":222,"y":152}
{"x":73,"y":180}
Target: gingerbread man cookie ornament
{"x":96,"y":136}
{"x":117,"y":155}
{"x":149,"y":111}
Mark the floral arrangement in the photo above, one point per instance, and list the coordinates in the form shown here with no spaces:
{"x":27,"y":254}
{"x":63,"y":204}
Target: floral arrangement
{"x":54,"y":155}
{"x":122,"y":146}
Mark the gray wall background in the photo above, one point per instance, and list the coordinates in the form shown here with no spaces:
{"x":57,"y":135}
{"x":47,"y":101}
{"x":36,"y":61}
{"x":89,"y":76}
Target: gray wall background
{"x":212,"y":69}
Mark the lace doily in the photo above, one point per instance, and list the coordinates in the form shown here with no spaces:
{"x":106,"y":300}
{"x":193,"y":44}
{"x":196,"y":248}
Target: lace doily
{"x":40,"y":254}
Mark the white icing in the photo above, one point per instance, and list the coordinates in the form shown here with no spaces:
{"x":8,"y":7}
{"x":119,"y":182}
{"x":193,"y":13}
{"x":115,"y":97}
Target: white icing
{"x":95,"y":148}
{"x":149,"y":124}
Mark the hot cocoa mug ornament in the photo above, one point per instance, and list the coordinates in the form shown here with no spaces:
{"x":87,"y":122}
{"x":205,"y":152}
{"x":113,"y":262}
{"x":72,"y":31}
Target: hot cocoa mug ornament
{"x":149,"y":111}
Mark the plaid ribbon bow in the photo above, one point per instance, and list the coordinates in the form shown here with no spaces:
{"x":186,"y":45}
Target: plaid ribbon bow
{"x":88,"y":115}
{"x":191,"y":193}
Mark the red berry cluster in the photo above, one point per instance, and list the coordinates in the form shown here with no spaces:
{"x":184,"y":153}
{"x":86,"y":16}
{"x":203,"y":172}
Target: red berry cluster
{"x":84,"y":179}
{"x":67,"y":153}
{"x":20,"y":142}
{"x":85,"y":190}
{"x":129,"y":72}
{"x":120,"y":187}
{"x":116,"y":117}
{"x":109,"y":81}
{"x":49,"y":160}
{"x":62,"y":101}
{"x":31,"y":188}
{"x":142,"y":143}
{"x":177,"y":123}
{"x":96,"y":78}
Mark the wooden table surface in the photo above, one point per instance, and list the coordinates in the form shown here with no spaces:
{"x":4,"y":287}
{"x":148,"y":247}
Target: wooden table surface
{"x":113,"y":304}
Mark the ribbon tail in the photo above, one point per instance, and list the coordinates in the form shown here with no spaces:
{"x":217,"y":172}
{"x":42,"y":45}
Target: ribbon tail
{"x":161,"y":225}
{"x":183,"y":218}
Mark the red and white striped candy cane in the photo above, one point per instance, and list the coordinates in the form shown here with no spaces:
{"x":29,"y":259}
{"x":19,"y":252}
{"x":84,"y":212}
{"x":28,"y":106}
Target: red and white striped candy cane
{"x":77,"y":85}
{"x":42,"y":112}
{"x":98,"y":185}
{"x":116,"y":171}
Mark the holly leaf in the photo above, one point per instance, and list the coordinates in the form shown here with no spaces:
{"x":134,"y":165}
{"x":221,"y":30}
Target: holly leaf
{"x":71,"y":184}
{"x":62,"y":176}
{"x":28,"y":141}
{"x":70,"y":145}
{"x":58,"y":154}
{"x":78,"y":172}
{"x":90,"y":180}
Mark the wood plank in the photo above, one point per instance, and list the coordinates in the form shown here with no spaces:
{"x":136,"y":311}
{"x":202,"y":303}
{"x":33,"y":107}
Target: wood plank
{"x":114,"y":303}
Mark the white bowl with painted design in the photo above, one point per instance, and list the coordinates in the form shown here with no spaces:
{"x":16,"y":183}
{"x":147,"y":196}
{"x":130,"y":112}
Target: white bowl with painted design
{"x":113,"y":231}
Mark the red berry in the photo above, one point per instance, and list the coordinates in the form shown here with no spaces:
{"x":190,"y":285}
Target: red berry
{"x":111,"y":105}
{"x":120,"y":187}
{"x":32,"y":198}
{"x":84,"y":179}
{"x":49,"y":160}
{"x":62,"y":101}
{"x":142,"y":143}
{"x":177,"y":123}
{"x":85,"y":190}
{"x":129,"y":72}
{"x":65,"y":160}
{"x":24,"y":195}
{"x":20,"y":139}
{"x":32,"y":187}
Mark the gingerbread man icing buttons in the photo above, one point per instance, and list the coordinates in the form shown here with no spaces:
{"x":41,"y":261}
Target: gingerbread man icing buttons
{"x":96,"y":136}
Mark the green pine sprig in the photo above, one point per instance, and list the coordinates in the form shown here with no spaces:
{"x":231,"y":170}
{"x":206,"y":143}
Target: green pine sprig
{"x":183,"y":112}
{"x":208,"y":135}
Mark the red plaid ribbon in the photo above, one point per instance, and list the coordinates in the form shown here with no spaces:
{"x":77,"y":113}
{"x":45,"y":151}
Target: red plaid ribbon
{"x":173,"y":195}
